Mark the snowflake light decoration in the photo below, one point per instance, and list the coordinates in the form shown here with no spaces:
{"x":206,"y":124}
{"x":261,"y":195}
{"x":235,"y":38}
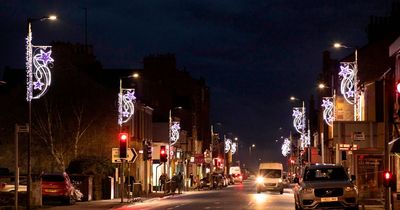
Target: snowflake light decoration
{"x":285,"y":147}
{"x":347,"y":86}
{"x":328,"y":114}
{"x":233,"y":148}
{"x":299,"y":119}
{"x":126,"y":105}
{"x":228,"y":143}
{"x":174,"y":132}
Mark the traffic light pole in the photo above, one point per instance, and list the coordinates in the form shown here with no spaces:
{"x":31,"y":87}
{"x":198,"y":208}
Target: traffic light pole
{"x":122,"y":179}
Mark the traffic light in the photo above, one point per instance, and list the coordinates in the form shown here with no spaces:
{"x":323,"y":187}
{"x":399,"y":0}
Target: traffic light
{"x":163,"y":154}
{"x":387,"y":179}
{"x":123,"y":142}
{"x":149,"y":151}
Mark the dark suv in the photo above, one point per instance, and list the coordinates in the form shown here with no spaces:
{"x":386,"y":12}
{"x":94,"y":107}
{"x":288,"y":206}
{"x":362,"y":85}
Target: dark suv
{"x":325,"y":186}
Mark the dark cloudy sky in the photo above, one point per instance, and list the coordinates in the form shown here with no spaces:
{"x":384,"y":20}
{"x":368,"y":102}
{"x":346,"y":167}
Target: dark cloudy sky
{"x":252,"y":53}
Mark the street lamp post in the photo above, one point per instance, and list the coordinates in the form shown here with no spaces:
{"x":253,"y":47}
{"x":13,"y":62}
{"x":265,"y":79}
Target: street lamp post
{"x":38,"y":81}
{"x":126,"y":110}
{"x":300,"y":125}
{"x":251,"y":148}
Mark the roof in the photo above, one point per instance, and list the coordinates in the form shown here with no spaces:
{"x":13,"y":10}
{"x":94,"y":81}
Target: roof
{"x":323,"y":165}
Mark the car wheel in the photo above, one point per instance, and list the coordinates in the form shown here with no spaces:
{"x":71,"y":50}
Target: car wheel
{"x":297,"y":207}
{"x":281,"y":192}
{"x":70,"y":200}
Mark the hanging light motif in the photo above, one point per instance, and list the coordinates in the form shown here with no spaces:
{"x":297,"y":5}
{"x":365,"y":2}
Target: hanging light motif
{"x":328,"y":114}
{"x":285,"y":147}
{"x":38,"y":75}
{"x":347,"y":87}
{"x":298,"y":121}
{"x":233,"y":148}
{"x":126,"y":106}
{"x":174,"y":132}
{"x":228,"y":143}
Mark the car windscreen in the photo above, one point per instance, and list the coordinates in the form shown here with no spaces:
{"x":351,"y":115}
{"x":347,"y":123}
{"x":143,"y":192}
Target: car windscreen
{"x":52,"y":178}
{"x":328,"y":174}
{"x":270,"y":173}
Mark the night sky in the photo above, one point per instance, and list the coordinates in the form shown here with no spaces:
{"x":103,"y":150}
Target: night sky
{"x":253,"y":54}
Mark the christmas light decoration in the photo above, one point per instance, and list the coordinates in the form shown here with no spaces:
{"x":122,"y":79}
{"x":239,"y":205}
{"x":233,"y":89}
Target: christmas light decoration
{"x":174,"y":131}
{"x":228,"y":143}
{"x":328,"y":114}
{"x":38,"y":75}
{"x":347,"y":86}
{"x":126,"y":106}
{"x":233,"y":148}
{"x":298,"y":121}
{"x":285,"y":147}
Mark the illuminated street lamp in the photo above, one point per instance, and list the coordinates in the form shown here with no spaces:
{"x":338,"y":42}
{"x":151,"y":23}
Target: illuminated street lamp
{"x":251,"y":148}
{"x":38,"y":78}
{"x":349,"y":83}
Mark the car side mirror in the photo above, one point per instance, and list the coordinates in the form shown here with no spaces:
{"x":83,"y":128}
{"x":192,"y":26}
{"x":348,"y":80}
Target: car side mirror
{"x":353,"y":177}
{"x":296,"y":180}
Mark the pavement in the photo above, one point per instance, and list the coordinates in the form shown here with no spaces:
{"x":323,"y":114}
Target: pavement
{"x":113,"y":203}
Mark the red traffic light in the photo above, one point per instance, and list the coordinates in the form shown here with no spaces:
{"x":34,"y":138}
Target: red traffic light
{"x":388,"y":175}
{"x":123,"y":136}
{"x":163,"y":154}
{"x":387,"y":179}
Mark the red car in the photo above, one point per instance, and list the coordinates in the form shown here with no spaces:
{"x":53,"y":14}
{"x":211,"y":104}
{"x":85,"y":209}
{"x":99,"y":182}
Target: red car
{"x":58,"y":186}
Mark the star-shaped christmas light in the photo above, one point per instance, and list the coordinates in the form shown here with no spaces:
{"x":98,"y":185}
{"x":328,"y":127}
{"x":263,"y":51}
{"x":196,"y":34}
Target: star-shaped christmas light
{"x":38,"y":85}
{"x":350,"y":93}
{"x":131,"y":95}
{"x":45,"y":57}
{"x":345,"y":70}
{"x":297,"y":113}
{"x":326,"y":103}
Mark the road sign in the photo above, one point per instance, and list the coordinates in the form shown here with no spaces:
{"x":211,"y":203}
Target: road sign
{"x":131,"y":155}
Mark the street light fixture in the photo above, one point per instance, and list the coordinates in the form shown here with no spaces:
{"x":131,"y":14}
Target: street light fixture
{"x":251,"y":147}
{"x":38,"y":81}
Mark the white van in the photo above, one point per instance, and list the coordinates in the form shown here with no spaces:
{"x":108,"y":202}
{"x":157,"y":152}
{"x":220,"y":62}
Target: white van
{"x":270,"y":177}
{"x":236,"y":174}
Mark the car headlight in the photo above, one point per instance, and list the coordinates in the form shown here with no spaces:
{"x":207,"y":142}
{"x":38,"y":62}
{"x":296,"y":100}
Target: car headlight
{"x":280,"y":180}
{"x":260,"y":180}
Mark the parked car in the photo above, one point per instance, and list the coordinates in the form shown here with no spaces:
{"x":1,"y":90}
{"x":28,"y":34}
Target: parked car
{"x":230,"y":179}
{"x":237,"y":178}
{"x":325,"y":186}
{"x":10,"y":187}
{"x":58,"y":186}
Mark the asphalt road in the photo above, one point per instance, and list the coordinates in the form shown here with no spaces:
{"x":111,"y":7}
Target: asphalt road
{"x":239,"y":196}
